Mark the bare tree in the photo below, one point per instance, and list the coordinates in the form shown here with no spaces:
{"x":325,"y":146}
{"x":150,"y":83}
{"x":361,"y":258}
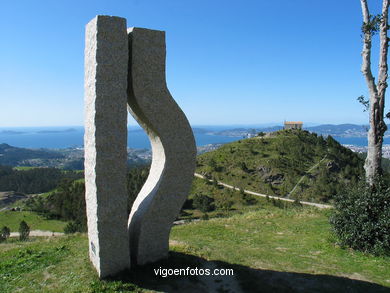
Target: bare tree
{"x":371,"y":25}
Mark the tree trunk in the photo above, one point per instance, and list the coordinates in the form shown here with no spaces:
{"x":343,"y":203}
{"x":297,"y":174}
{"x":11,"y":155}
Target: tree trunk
{"x":377,"y":92}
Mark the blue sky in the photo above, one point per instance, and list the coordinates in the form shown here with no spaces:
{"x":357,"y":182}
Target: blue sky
{"x":228,"y":62}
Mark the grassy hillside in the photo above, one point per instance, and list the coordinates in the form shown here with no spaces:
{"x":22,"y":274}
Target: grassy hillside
{"x":224,"y":202}
{"x":269,"y":250}
{"x":12,"y":220}
{"x":33,"y":180}
{"x":278,"y":162}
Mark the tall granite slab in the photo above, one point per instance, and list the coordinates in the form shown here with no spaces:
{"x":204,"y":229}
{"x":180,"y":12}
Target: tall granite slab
{"x":105,"y":143}
{"x":173,"y":146}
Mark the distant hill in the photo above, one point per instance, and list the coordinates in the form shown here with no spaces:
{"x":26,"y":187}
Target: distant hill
{"x":340,"y":130}
{"x":14,"y":156}
{"x":282,"y":160}
{"x":68,"y":158}
{"x":345,"y":130}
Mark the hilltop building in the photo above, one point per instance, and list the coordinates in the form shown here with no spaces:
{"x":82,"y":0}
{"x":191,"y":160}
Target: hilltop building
{"x":293,"y":124}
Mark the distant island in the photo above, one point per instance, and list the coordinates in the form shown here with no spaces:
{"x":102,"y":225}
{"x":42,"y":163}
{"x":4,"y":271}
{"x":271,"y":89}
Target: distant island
{"x":57,"y":131}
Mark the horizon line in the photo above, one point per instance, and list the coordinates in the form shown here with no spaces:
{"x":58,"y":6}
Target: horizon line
{"x":267,"y":124}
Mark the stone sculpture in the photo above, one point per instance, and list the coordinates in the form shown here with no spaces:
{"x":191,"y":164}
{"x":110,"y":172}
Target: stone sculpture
{"x":173,"y":147}
{"x":128,"y":69}
{"x":105,"y":140}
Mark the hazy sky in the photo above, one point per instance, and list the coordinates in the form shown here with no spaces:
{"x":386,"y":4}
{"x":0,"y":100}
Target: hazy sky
{"x":228,"y":62}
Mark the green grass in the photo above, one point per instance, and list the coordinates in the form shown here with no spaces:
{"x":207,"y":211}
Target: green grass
{"x":219,"y":193}
{"x":57,"y":264}
{"x":35,"y":221}
{"x":269,"y":249}
{"x":280,"y":240}
{"x":274,"y":164}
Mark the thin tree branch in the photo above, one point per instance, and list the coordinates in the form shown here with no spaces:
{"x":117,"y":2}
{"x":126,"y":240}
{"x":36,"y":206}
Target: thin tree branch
{"x":366,"y":52}
{"x":383,"y":68}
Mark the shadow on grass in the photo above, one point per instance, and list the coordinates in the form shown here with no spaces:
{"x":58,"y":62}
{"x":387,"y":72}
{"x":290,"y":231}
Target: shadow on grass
{"x":245,"y":279}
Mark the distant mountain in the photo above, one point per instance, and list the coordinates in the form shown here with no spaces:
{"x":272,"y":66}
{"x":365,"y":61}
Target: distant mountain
{"x":343,"y":130}
{"x":8,"y":132}
{"x":340,"y":130}
{"x":57,"y":131}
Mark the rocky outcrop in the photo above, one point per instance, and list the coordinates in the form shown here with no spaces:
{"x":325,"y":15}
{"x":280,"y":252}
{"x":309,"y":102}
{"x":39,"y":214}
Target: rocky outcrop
{"x":275,"y":179}
{"x":333,"y":166}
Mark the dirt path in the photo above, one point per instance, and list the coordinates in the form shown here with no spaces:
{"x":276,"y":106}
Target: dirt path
{"x":318,"y":205}
{"x":39,"y":233}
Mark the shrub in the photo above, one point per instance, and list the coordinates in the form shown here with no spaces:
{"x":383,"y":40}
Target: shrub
{"x":205,"y":216}
{"x":277,"y":203}
{"x":361,"y":218}
{"x":224,"y":202}
{"x":249,"y":199}
{"x":188,"y":204}
{"x":73,"y":227}
{"x":24,"y":231}
{"x":203,"y":203}
{"x":4,"y":233}
{"x":297,"y":202}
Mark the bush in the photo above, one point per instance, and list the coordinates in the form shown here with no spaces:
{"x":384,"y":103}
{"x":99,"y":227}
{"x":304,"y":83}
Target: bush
{"x":297,"y":202}
{"x":361,"y":218}
{"x":203,"y":203}
{"x":5,"y":232}
{"x":224,"y":202}
{"x":205,"y":217}
{"x":188,"y":204}
{"x":249,"y":199}
{"x":73,"y":227}
{"x":24,"y":231}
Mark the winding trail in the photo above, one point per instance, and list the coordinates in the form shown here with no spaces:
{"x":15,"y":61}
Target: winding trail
{"x":318,"y":205}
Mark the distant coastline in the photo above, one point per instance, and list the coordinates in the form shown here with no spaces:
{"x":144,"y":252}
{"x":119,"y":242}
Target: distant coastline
{"x":65,"y":137}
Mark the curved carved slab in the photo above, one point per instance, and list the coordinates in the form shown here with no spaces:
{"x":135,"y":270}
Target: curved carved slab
{"x":173,"y":146}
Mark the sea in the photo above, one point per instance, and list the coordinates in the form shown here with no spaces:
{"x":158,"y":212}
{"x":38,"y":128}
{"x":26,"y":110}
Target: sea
{"x":72,"y":136}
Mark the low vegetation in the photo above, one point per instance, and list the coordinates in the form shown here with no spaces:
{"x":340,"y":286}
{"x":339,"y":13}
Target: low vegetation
{"x":361,"y":218}
{"x":67,"y":201}
{"x":12,"y":220}
{"x":270,"y":248}
{"x":276,"y":163}
{"x":270,"y":244}
{"x":33,"y":180}
{"x":5,"y":232}
{"x":24,"y":231}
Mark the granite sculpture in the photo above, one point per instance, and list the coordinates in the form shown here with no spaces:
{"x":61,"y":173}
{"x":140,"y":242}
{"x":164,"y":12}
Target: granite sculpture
{"x":105,"y":141}
{"x":126,"y":70}
{"x":173,"y":147}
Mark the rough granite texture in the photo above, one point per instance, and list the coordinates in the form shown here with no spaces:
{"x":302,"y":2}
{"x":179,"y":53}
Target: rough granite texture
{"x":173,"y":146}
{"x":128,"y":69}
{"x":105,"y":142}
